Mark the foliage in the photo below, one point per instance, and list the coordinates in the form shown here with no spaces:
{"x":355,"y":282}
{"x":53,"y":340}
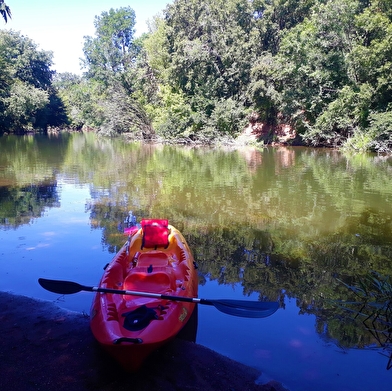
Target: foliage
{"x":309,"y":70}
{"x":212,"y":48}
{"x":227,"y":117}
{"x":331,"y":73}
{"x":275,"y":17}
{"x":380,"y":125}
{"x":156,"y":46}
{"x":111,"y":50}
{"x":172,"y":115}
{"x":207,"y":67}
{"x":81,"y":98}
{"x":27,"y":98}
{"x":24,"y":103}
{"x":123,"y":114}
{"x":106,"y":99}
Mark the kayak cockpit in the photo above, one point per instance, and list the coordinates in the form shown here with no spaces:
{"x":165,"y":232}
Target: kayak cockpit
{"x":155,"y":280}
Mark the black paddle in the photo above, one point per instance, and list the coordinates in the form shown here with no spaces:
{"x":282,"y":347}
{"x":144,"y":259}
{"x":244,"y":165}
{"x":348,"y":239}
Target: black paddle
{"x":243,"y":308}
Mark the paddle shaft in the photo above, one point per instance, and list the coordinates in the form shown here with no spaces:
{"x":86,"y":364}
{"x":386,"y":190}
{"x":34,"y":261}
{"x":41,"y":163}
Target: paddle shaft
{"x":148,"y":294}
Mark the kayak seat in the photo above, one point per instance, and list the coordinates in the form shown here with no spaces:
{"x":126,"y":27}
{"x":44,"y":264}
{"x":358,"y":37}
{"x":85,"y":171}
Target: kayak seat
{"x":156,"y":259}
{"x":155,"y":282}
{"x":155,"y":233}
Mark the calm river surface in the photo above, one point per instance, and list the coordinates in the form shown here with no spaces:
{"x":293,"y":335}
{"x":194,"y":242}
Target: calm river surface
{"x":287,"y":224}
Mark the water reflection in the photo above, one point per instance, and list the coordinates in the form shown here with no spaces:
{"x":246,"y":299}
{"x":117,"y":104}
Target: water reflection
{"x":272,"y":224}
{"x":20,"y":205}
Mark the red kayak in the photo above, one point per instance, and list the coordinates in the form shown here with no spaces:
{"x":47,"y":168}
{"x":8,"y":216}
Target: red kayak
{"x":155,"y":264}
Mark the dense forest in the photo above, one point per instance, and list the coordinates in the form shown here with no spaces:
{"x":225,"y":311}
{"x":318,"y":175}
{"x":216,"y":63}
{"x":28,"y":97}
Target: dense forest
{"x":207,"y":69}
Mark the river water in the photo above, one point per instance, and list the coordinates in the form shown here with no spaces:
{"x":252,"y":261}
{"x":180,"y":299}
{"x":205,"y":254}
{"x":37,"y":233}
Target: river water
{"x":287,"y":224}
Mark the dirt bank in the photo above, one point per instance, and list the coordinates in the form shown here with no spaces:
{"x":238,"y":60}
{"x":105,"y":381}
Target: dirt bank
{"x":44,"y":347}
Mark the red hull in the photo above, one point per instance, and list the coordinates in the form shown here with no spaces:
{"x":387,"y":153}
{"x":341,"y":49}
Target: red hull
{"x":131,"y":327}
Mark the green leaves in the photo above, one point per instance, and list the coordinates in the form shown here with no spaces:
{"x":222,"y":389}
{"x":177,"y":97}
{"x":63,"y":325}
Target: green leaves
{"x":27,"y":99}
{"x":111,"y":50}
{"x":212,"y":49}
{"x":23,"y":104}
{"x":331,"y":72}
{"x":211,"y":45}
{"x":114,"y":86}
{"x":321,"y":68}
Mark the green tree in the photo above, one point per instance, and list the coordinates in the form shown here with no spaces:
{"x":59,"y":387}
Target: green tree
{"x":212,"y":48}
{"x":81,"y":98}
{"x":210,"y":51}
{"x":27,"y":99}
{"x":167,"y":107}
{"x":370,"y":68}
{"x":370,"y":60}
{"x":365,"y":98}
{"x":111,"y":50}
{"x":108,"y":100}
{"x":330,"y":77}
{"x":26,"y":62}
{"x":274,"y":17}
{"x":23,"y":104}
{"x":156,"y":47}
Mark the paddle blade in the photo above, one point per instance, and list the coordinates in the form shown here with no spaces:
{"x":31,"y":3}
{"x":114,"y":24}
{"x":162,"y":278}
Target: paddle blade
{"x":61,"y":287}
{"x":246,"y":309}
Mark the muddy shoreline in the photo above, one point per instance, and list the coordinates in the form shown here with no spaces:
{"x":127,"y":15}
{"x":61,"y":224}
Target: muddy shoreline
{"x":44,"y":347}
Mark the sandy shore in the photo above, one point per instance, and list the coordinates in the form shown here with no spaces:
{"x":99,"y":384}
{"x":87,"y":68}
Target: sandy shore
{"x":44,"y":347}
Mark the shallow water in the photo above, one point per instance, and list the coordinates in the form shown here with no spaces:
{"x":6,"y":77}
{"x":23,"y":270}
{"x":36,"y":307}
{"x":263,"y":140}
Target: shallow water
{"x":278,"y":224}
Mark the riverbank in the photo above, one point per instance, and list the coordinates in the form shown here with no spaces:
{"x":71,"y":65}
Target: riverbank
{"x":48,"y":348}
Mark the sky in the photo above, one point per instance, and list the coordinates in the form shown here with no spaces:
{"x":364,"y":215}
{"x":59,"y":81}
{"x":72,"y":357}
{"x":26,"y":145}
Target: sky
{"x":59,"y":26}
